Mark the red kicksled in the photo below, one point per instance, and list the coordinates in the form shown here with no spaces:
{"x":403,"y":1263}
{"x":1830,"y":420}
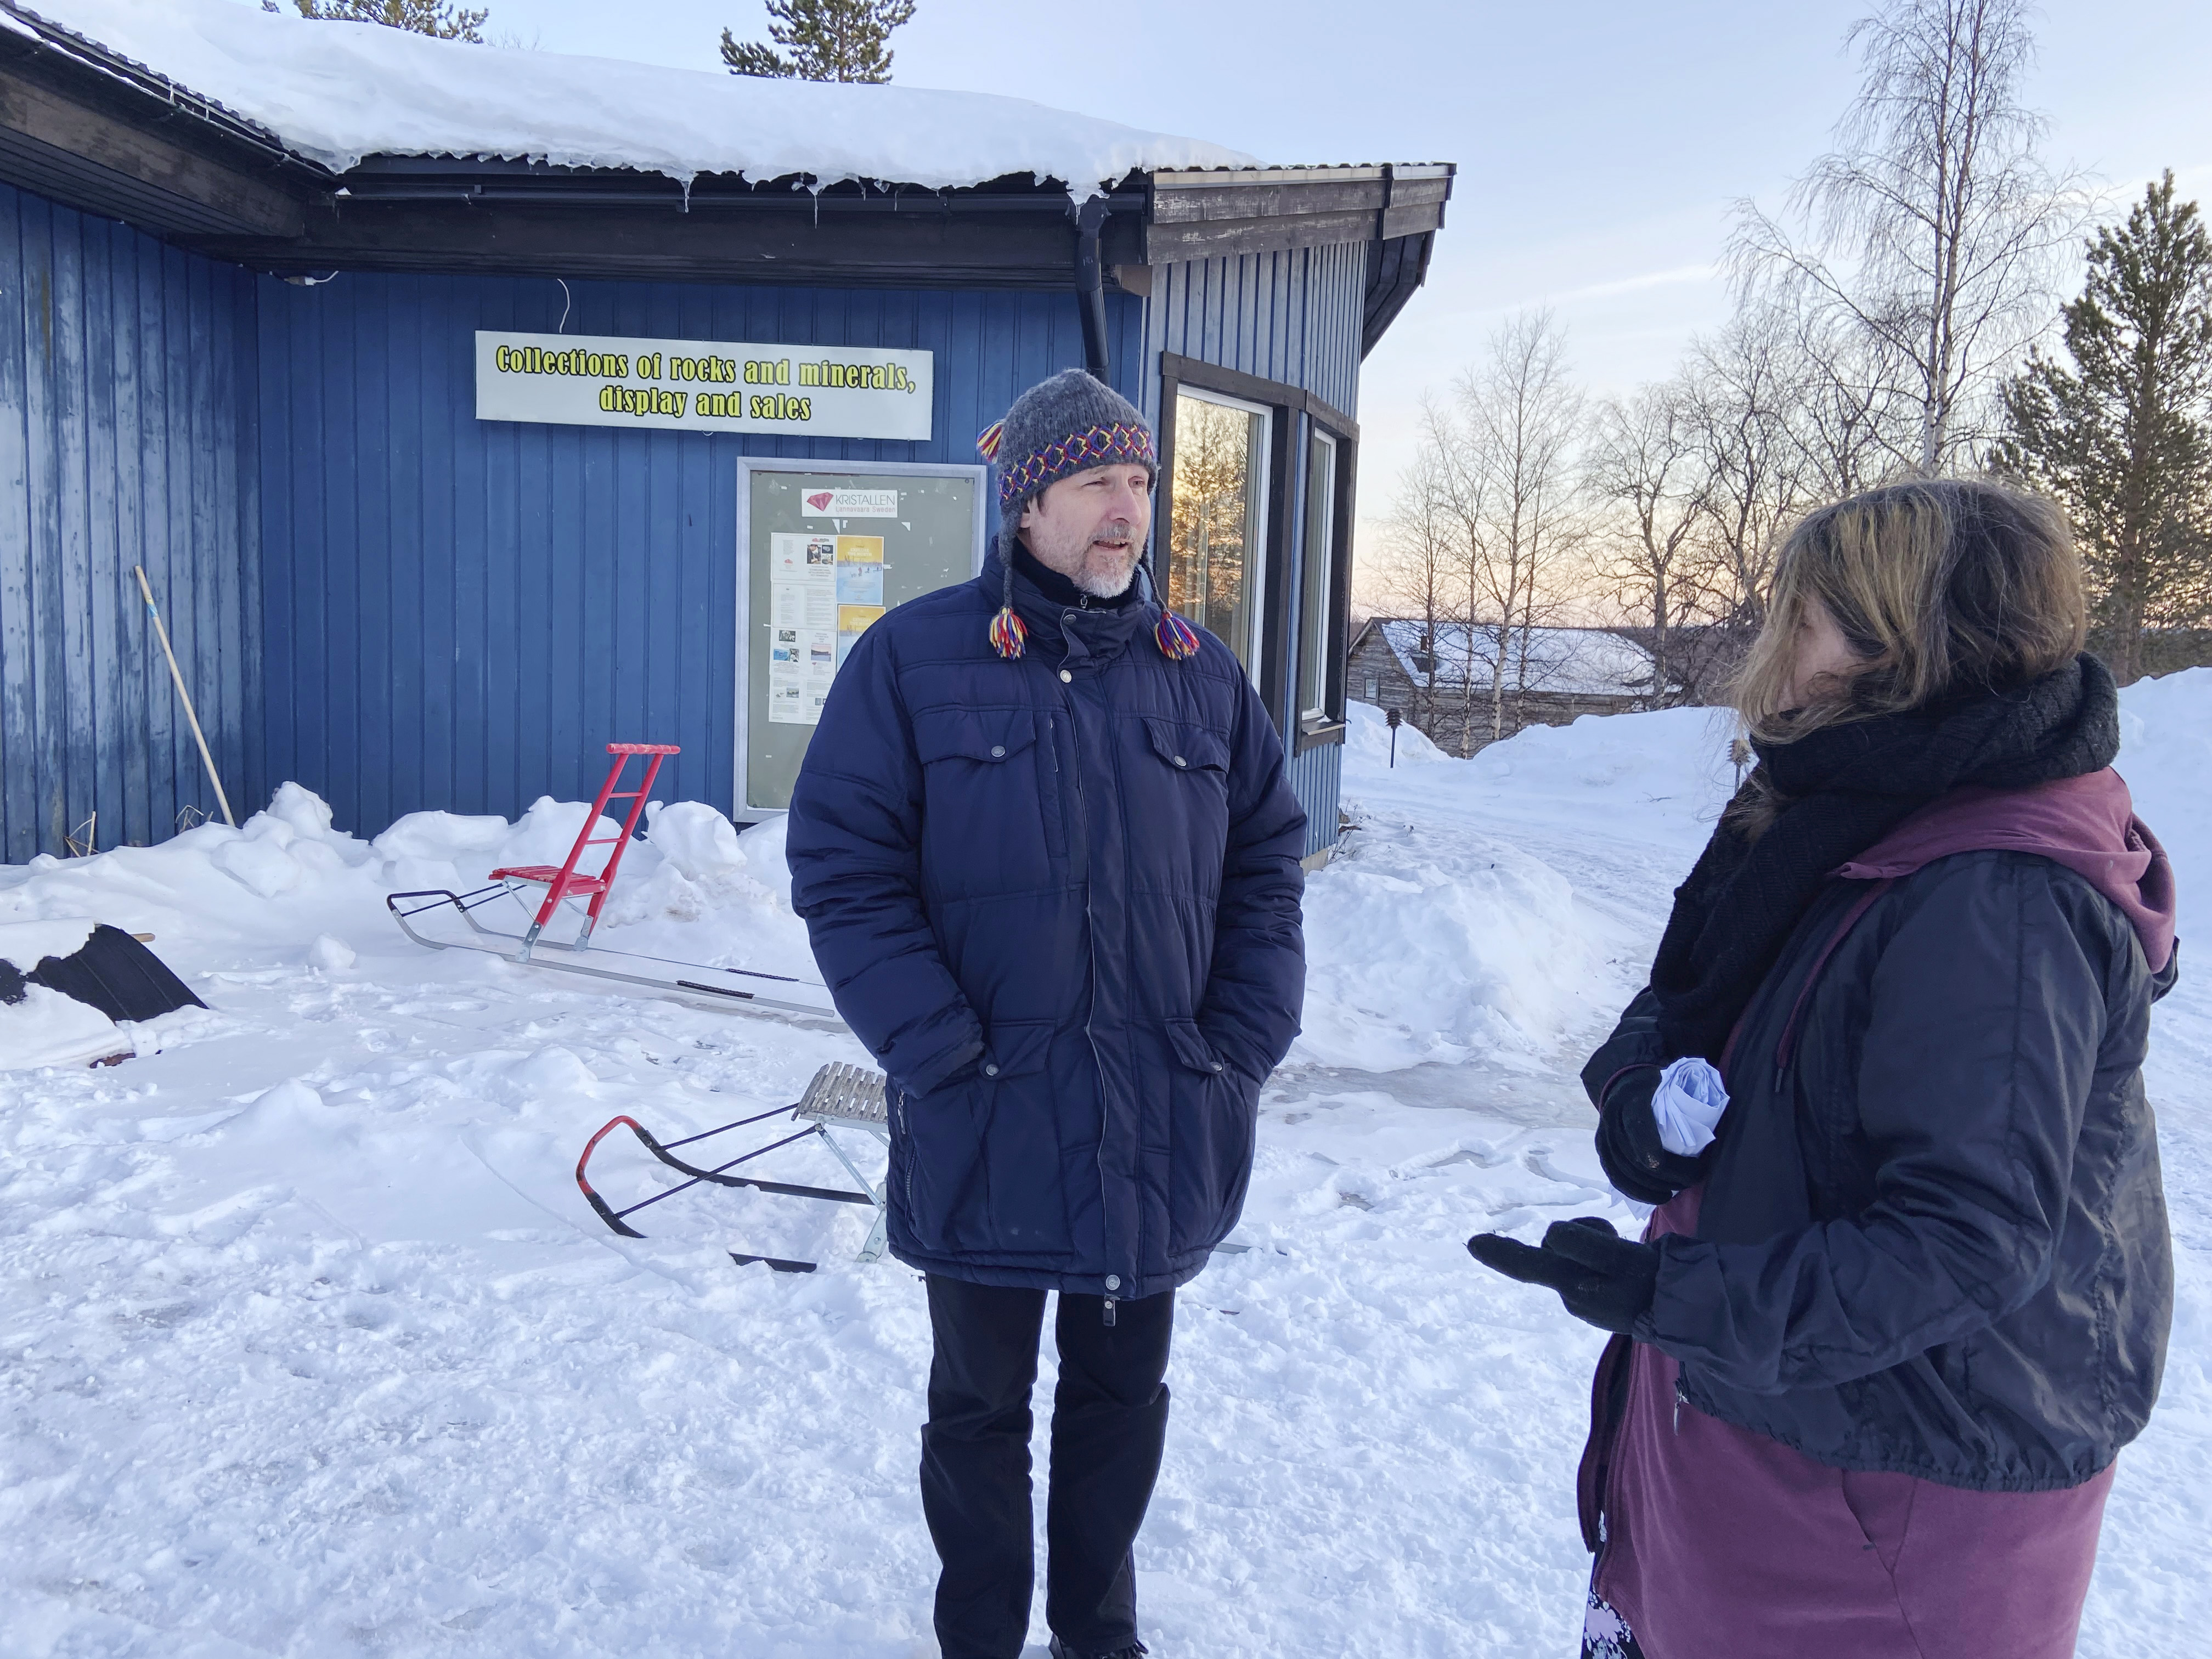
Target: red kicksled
{"x":731,"y":989}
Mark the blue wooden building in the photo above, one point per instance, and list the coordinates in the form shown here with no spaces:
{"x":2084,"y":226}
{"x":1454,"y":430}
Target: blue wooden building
{"x":270,"y":383}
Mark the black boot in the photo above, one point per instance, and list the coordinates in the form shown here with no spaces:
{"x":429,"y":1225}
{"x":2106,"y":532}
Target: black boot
{"x":1134,"y":1650}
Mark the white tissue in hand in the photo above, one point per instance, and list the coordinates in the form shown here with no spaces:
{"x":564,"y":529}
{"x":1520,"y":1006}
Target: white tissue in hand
{"x":1688,"y":1105}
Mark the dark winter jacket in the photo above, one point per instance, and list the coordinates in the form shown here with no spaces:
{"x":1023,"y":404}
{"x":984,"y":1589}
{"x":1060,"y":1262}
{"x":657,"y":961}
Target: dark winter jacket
{"x":1057,"y":896}
{"x":1933,"y":1238}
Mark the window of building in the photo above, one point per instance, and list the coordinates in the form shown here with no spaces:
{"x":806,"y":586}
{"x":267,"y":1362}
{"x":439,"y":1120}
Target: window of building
{"x":1316,"y":577}
{"x":1217,"y":519}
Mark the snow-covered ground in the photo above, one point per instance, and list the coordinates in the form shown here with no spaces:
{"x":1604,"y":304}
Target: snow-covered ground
{"x":312,"y":1348}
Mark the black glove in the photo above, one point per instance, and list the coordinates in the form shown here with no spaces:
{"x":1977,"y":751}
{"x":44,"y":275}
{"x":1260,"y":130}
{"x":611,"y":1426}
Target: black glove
{"x":1604,"y":1278}
{"x":1635,"y":1160}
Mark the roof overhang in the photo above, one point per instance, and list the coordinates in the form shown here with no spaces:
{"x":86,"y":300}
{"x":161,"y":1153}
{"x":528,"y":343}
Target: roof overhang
{"x":95,"y":131}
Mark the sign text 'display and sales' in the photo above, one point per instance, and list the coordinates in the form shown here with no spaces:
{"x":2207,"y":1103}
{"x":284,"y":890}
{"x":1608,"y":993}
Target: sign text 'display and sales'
{"x":704,"y":386}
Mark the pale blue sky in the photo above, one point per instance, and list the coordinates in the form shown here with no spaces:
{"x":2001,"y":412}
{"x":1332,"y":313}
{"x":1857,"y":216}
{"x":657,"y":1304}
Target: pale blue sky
{"x":1600,"y":145}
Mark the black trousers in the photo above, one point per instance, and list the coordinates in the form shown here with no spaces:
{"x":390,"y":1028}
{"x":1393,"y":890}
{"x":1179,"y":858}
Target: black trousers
{"x":1109,"y":1421}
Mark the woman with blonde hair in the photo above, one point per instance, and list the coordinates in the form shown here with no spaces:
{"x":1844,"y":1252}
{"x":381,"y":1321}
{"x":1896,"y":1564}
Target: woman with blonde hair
{"x":1905,"y":1301}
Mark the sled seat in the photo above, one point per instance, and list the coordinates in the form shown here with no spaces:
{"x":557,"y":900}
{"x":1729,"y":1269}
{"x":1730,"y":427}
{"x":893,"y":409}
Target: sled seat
{"x":846,"y":1097}
{"x":548,"y":874}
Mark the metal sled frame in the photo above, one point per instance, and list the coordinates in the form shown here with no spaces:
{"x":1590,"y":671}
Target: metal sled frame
{"x":691,"y":983}
{"x":839,"y":1096}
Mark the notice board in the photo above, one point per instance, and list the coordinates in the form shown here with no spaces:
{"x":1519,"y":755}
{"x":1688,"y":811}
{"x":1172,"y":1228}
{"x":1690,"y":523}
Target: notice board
{"x":823,"y":552}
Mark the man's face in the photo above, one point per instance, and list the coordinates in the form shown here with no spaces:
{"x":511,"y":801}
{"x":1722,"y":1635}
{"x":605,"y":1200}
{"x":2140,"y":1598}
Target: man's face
{"x":1090,"y":527}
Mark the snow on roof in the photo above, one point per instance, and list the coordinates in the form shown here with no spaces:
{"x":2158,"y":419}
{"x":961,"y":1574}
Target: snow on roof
{"x":1573,"y":661}
{"x":337,"y":92}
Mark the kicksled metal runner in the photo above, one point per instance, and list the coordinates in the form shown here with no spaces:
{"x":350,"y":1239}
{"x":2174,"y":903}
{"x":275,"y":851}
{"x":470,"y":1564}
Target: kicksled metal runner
{"x":839,"y":1097}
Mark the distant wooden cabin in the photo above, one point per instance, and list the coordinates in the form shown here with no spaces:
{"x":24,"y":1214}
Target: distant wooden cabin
{"x":1444,"y":682}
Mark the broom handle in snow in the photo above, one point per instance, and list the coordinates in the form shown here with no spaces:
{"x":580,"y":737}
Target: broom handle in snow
{"x":177,"y":674}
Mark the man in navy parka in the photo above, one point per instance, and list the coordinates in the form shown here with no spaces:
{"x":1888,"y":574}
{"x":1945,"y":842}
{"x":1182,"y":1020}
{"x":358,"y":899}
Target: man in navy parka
{"x":1049,"y":860}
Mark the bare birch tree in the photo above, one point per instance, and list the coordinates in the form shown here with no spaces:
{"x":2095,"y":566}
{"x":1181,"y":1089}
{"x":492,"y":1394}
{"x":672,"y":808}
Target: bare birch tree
{"x":1423,"y":577}
{"x":1647,"y":462}
{"x":1745,"y":396}
{"x":1931,"y":228}
{"x":1519,"y":426}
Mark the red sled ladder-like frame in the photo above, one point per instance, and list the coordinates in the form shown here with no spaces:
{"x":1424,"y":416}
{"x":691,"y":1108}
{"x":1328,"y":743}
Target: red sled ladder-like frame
{"x":564,"y":882}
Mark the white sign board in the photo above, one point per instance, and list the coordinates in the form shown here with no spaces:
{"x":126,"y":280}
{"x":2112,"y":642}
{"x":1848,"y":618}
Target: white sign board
{"x":704,"y":386}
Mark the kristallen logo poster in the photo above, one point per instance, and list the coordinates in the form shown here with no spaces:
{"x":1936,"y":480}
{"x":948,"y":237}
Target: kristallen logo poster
{"x":704,"y":386}
{"x":851,"y":503}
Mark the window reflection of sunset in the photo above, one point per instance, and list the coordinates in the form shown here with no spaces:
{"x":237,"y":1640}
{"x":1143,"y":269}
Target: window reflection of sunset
{"x":1213,"y":518}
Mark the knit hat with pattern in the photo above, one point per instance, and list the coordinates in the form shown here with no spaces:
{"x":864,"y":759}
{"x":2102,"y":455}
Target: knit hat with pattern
{"x":1058,"y":428}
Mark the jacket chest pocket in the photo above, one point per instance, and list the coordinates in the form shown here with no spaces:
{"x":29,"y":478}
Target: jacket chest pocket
{"x":1188,"y":786}
{"x":986,"y":825}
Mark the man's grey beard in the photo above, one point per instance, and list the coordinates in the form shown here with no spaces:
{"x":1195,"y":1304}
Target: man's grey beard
{"x":1104,"y":574}
{"x":1102,"y":579}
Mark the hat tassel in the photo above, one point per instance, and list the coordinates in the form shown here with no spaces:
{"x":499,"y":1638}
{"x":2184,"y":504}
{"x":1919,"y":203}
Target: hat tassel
{"x":1009,"y":637}
{"x":1177,"y":638}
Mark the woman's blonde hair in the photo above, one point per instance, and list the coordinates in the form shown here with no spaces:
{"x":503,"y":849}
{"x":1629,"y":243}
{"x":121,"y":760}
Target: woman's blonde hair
{"x":1946,"y":589}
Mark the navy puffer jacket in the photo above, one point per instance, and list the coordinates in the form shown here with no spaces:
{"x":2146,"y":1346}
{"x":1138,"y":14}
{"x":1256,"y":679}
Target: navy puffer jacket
{"x":1058,"y":899}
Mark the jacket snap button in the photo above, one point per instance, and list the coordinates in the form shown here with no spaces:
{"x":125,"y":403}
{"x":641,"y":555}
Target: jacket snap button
{"x":1065,"y":676}
{"x":1216,"y":1065}
{"x":1180,"y":761}
{"x":991,"y":1070}
{"x":998,"y":751}
{"x":1113,"y":1281}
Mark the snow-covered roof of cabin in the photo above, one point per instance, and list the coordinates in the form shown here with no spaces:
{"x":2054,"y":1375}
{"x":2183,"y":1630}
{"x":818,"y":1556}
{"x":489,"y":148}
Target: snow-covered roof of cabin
{"x":1573,"y":661}
{"x":334,"y":93}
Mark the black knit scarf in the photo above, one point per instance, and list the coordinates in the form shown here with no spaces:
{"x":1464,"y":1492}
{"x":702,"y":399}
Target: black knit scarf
{"x":1844,"y":787}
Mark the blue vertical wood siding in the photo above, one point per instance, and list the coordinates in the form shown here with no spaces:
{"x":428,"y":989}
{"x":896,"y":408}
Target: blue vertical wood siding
{"x":126,"y":438}
{"x":1293,"y":317}
{"x":461,"y":614}
{"x":402,"y":607}
{"x":1317,"y":780}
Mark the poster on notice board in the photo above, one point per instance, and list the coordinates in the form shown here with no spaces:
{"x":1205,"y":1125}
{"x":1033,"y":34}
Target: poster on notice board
{"x":824,"y":590}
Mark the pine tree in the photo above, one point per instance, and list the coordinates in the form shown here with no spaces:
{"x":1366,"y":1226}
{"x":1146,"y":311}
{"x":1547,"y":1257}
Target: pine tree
{"x":2123,"y":437}
{"x":828,"y":41}
{"x":441,"y":18}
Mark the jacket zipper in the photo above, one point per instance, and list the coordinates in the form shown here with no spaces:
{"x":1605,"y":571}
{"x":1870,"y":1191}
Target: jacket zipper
{"x":1090,"y":926}
{"x":906,"y":1132}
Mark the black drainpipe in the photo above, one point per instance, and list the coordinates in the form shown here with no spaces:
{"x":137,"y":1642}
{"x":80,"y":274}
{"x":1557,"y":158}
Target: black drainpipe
{"x":1090,"y":287}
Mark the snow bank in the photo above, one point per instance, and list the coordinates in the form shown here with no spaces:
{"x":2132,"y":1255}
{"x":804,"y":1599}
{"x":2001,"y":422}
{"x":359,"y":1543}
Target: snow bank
{"x":337,"y":92}
{"x":287,"y":887}
{"x":1435,"y":935}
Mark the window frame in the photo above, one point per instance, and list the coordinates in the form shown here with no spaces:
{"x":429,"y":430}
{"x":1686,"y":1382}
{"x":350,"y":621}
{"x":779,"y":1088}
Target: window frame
{"x":1309,"y":652}
{"x":1277,"y":676}
{"x":1259,"y":583}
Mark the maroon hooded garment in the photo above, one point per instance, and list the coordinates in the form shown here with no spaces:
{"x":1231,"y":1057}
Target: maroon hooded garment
{"x":1744,"y":1548}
